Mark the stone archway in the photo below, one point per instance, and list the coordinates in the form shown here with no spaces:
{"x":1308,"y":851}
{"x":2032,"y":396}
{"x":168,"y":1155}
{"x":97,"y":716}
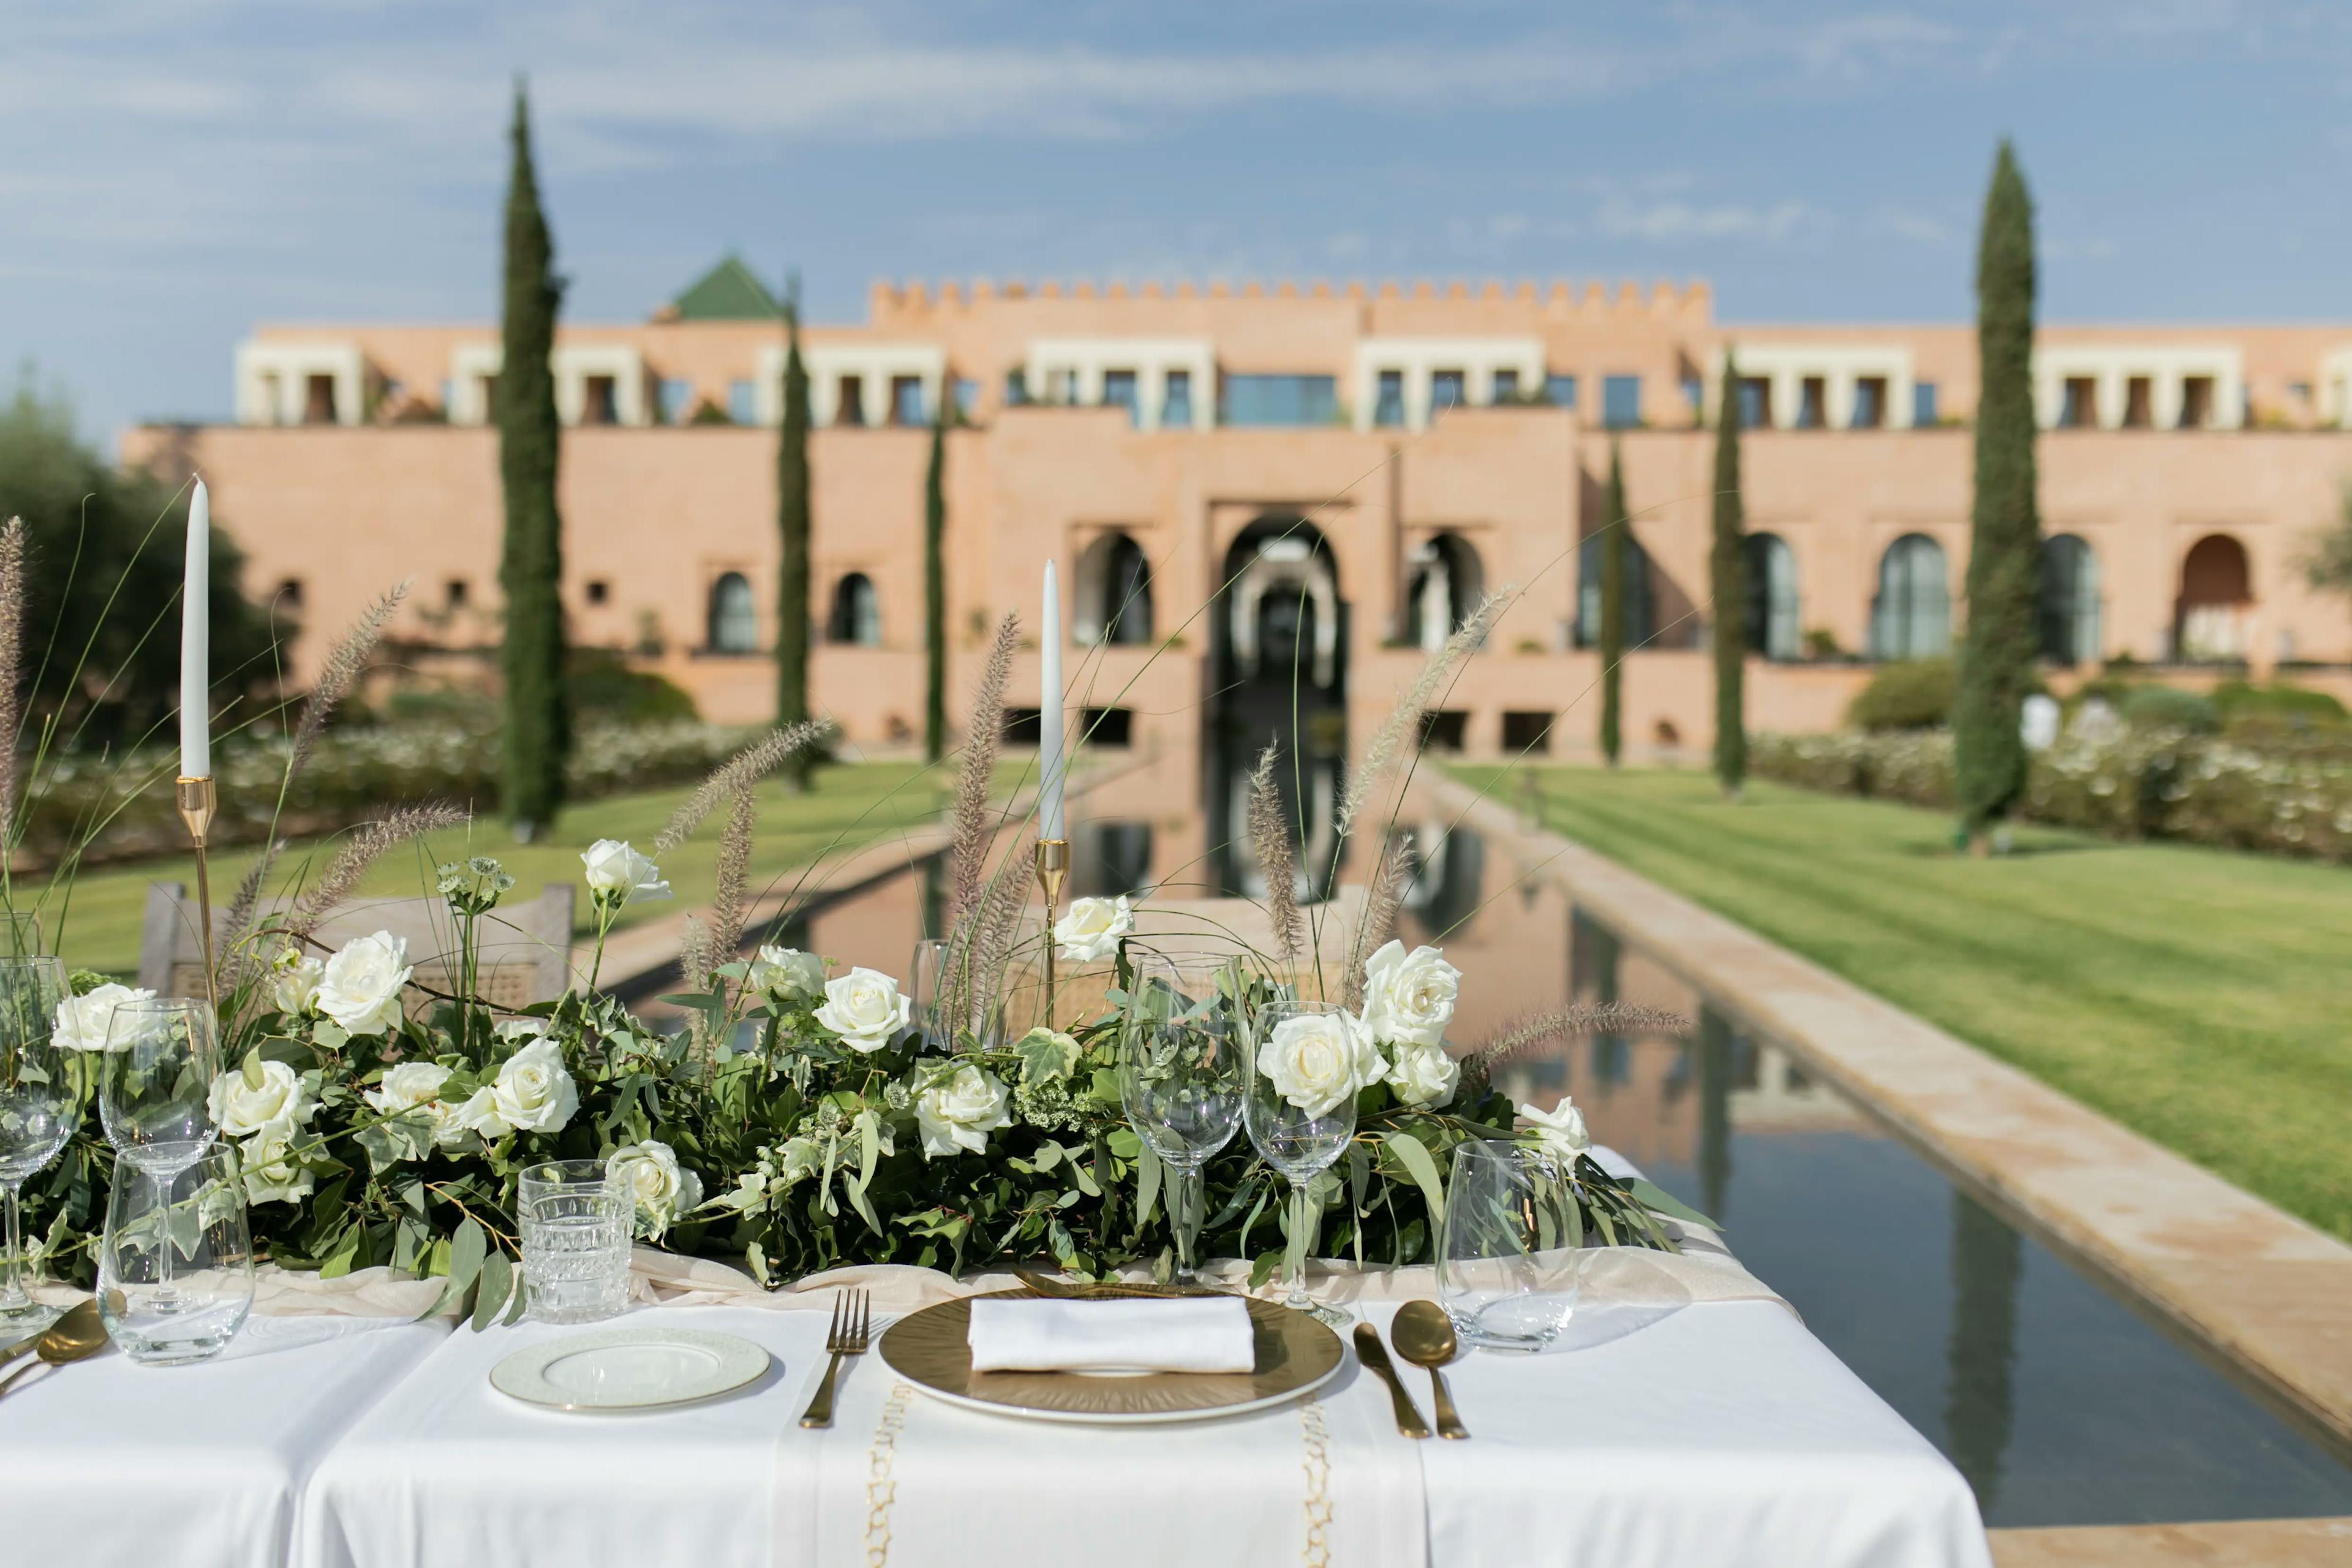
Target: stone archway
{"x":2211,"y":619}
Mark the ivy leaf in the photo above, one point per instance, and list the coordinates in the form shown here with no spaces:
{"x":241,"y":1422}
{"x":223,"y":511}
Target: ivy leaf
{"x":388,"y":1144}
{"x":1047,"y":1055}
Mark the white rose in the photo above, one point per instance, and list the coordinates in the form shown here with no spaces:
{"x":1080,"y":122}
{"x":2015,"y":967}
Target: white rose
{"x":1318,"y":1060}
{"x":521,"y":1031}
{"x":294,"y":981}
{"x":360,"y":988}
{"x":417,"y":1086}
{"x":272,"y":1174}
{"x":1558,"y":1131}
{"x":81,"y":1021}
{"x":619,"y":874}
{"x":1092,"y":929}
{"x":960,"y":1109}
{"x":533,"y":1093}
{"x":1409,"y":996}
{"x":1423,"y":1075}
{"x":662,"y":1188}
{"x":786,"y":971}
{"x":240,"y":1110}
{"x":863,"y":1007}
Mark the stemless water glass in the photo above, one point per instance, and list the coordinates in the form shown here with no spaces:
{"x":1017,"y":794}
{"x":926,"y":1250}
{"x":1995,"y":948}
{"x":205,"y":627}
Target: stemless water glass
{"x":576,"y":1225}
{"x":154,"y":1085}
{"x":20,"y":936}
{"x":1511,"y":1250}
{"x":176,"y":1261}
{"x":37,"y":1108}
{"x":1301,"y":1111}
{"x":1184,"y":1071}
{"x":952,"y":1006}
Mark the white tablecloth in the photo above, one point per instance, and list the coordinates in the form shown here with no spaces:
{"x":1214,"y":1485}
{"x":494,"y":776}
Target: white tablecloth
{"x":106,"y":1463}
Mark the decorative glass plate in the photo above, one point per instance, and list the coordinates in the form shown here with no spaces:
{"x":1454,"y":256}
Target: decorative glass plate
{"x":1296,"y":1355}
{"x":648,"y":1368}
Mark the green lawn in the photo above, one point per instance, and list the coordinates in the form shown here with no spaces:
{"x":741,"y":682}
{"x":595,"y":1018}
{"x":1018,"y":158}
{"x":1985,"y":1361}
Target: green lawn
{"x":97,"y":926}
{"x":2201,"y":996}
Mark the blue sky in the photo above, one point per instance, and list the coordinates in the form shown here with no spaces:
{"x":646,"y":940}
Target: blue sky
{"x":172,"y":171}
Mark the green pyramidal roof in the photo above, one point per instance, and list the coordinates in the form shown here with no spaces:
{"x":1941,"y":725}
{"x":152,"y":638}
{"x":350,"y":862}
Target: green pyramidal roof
{"x":728,"y":292}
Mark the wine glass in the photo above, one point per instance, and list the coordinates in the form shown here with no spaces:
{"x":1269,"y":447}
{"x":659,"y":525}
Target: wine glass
{"x":1184,"y":1071}
{"x":952,"y":1006}
{"x":1309,"y":1059}
{"x":176,"y":1261}
{"x":1512,"y":1248}
{"x":154,"y":1086}
{"x":37,"y":1108}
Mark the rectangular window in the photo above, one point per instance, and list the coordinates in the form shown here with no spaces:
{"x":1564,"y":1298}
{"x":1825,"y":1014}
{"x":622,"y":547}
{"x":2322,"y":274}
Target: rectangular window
{"x":1108,"y":726}
{"x":1387,"y":401}
{"x":1922,"y":402}
{"x":965,"y":396}
{"x":599,"y":590}
{"x":674,"y":400}
{"x":1621,"y":401}
{"x":2196,"y":402}
{"x":1176,"y":405}
{"x":2077,"y":403}
{"x":1444,"y":391}
{"x":1266,"y":400}
{"x":849,"y":400}
{"x":2139,"y":403}
{"x":456,"y":592}
{"x":742,"y":405}
{"x":1559,"y":390}
{"x":906,"y":401}
{"x":1016,"y":387}
{"x":1506,"y":387}
{"x":600,"y":403}
{"x":1869,"y":402}
{"x":448,"y":391}
{"x":1812,"y":403}
{"x":1526,"y":732}
{"x":1445,"y":730}
{"x":489,"y":396}
{"x":1755,"y":402}
{"x":319,"y":400}
{"x":1118,"y":392}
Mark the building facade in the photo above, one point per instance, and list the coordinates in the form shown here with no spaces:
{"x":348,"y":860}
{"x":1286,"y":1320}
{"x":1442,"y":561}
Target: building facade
{"x":1245,"y":485}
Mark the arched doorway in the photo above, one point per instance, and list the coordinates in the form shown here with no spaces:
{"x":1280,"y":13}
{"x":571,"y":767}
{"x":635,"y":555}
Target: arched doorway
{"x":1447,"y":582}
{"x":1278,"y":636}
{"x":2066,"y":601}
{"x":731,"y":623}
{"x":1112,"y":601}
{"x":1641,"y":604}
{"x":1912,"y":615}
{"x":856,"y":614}
{"x":1771,"y":595}
{"x":2216,"y":598}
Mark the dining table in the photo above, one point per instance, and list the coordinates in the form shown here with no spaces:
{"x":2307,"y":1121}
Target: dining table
{"x":1664,"y":1428}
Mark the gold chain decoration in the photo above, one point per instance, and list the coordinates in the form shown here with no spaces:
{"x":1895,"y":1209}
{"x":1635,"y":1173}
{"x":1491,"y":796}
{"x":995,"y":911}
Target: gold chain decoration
{"x":1318,"y":1553}
{"x":881,"y":1491}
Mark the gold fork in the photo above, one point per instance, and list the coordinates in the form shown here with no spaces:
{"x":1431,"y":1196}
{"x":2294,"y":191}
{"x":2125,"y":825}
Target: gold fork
{"x":853,"y":1316}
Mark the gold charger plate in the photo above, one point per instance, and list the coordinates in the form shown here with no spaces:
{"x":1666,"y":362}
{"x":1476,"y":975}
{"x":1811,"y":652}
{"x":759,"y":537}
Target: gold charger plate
{"x":930,"y":1349}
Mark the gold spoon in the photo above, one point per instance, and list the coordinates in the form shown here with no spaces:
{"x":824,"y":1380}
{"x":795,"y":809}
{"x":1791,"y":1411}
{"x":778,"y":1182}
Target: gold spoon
{"x":76,"y":1334}
{"x":1424,"y":1336}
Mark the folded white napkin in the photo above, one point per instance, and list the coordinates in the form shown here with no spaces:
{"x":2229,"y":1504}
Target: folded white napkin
{"x":1201,"y":1334}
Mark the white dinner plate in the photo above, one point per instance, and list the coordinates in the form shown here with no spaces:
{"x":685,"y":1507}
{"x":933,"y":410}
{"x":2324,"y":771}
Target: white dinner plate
{"x":645,"y":1368}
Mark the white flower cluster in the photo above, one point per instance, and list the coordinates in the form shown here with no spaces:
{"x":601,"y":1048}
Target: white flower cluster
{"x":263,"y":1107}
{"x":1319,"y":1061}
{"x":662,"y":1188}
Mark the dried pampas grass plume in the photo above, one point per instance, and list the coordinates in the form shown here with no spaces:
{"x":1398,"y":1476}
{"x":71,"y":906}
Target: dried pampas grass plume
{"x":12,"y":665}
{"x":344,"y":871}
{"x":974,"y":825}
{"x":1568,"y":1022}
{"x":731,"y":905}
{"x":738,"y":773}
{"x":1389,"y":741}
{"x":1383,"y":896}
{"x":1269,"y":835}
{"x":345,"y":664}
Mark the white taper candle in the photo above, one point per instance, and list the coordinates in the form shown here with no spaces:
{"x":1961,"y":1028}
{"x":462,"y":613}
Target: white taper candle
{"x":1051,"y":764}
{"x":195,"y":642}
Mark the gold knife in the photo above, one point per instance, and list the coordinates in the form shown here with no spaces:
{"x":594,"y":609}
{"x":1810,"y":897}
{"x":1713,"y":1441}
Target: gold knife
{"x":1375,"y":1355}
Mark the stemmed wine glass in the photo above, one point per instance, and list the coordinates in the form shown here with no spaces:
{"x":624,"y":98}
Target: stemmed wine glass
{"x":1308,"y":1058}
{"x":1184,"y":1071}
{"x":37,"y":1108}
{"x":161,"y":1055}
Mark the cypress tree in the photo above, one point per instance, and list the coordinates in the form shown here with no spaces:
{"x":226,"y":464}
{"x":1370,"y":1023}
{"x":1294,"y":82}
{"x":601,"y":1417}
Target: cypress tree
{"x":1613,"y":605}
{"x":792,"y":535}
{"x":539,"y":716}
{"x":1728,"y":568}
{"x":935,"y":590}
{"x":1996,"y":665}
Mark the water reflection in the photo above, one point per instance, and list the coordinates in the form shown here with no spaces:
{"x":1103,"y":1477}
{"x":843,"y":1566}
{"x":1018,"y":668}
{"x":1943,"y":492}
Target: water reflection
{"x":1987,"y":1267}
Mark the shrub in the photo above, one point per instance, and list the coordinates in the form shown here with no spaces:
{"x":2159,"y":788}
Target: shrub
{"x":604,"y":687}
{"x":1909,"y":694}
{"x":2168,"y":708}
{"x":2287,"y":706}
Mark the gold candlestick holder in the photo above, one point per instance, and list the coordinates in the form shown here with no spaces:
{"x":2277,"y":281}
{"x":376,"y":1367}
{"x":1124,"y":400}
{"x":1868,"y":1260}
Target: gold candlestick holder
{"x":1053,"y":869}
{"x":198,"y":803}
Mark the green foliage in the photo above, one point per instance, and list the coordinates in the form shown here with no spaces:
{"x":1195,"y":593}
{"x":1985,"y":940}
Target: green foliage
{"x":1995,"y":666}
{"x":793,"y":529}
{"x":1612,"y":606}
{"x":2327,"y":559}
{"x":935,"y":592}
{"x":1908,"y":694}
{"x":539,"y":716}
{"x":1728,"y":574}
{"x":2168,"y":707}
{"x":600,"y":685}
{"x":2239,"y":704}
{"x":105,"y":550}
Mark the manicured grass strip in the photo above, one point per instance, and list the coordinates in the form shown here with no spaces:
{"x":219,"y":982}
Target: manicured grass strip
{"x":2201,"y":996}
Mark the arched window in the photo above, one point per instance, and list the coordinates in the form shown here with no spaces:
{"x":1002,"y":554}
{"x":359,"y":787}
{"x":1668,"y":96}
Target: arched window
{"x":2066,"y":601}
{"x":1112,"y":602}
{"x":2217,"y":594}
{"x":1771,"y":595}
{"x":1640,"y":618}
{"x":1446,"y":584}
{"x":1912,"y":616}
{"x":734,"y":623}
{"x":857,"y":617}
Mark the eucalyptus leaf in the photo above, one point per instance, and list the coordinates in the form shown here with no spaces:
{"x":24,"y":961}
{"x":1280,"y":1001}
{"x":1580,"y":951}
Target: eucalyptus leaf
{"x":468,"y":1248}
{"x":1655,"y":1199}
{"x":496,"y":1285}
{"x":1414,"y":1155}
{"x":1147,"y":1171}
